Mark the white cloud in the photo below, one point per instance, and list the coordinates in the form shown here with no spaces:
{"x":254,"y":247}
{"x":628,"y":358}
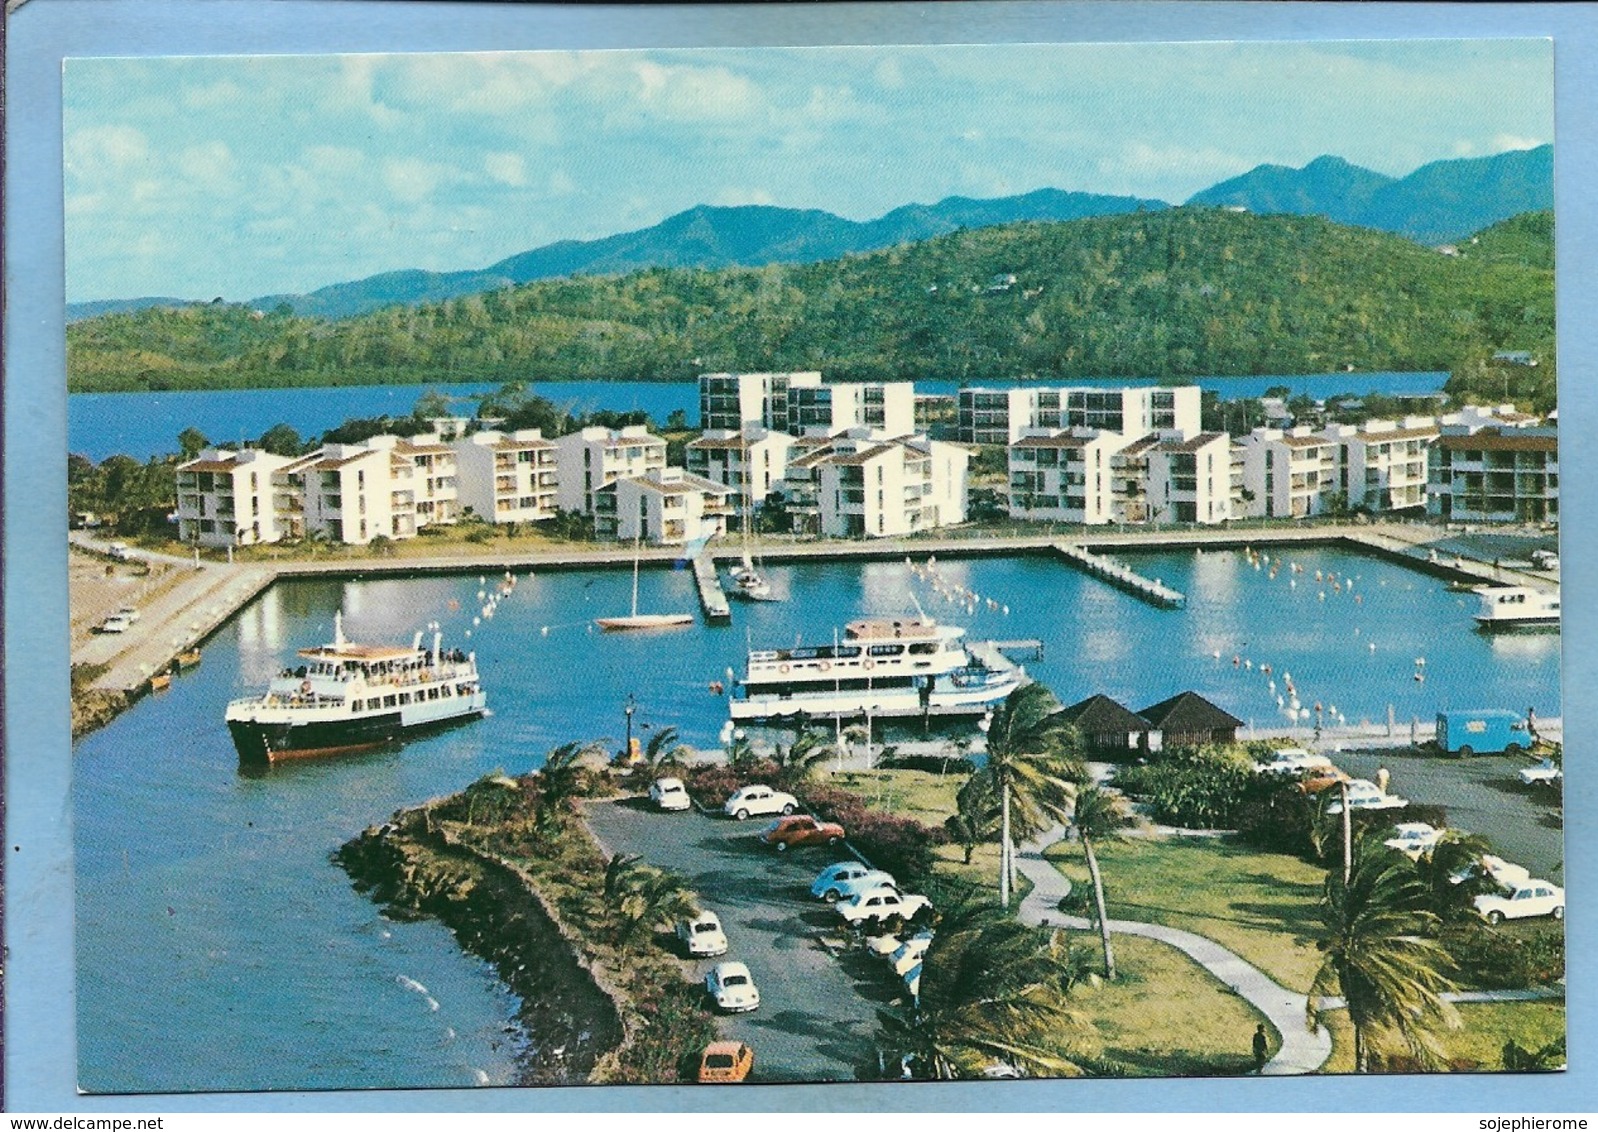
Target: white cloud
{"x":561,"y":183}
{"x":221,"y":93}
{"x":889,"y":75}
{"x":117,"y":146}
{"x":733,"y":196}
{"x":1145,"y":162}
{"x":1503,"y":142}
{"x":694,"y":94}
{"x":411,"y":179}
{"x":506,"y":168}
{"x":210,"y":165}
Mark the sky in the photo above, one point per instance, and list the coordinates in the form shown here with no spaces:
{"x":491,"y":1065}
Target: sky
{"x":243,"y":176}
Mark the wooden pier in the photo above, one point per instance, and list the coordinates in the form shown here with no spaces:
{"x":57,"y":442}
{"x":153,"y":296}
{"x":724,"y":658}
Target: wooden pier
{"x":1029,"y":649}
{"x":1151,"y":590}
{"x":712,"y":598}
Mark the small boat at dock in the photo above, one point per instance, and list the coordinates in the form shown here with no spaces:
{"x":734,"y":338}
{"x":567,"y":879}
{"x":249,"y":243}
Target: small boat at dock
{"x":187,"y":659}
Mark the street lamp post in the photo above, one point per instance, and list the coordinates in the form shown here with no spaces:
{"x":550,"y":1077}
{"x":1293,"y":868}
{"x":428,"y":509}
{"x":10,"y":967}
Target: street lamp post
{"x":630,"y":707}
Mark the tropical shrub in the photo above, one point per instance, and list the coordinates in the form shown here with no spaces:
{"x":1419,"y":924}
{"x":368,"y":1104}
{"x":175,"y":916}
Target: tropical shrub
{"x":1505,"y":960}
{"x":1195,"y":788}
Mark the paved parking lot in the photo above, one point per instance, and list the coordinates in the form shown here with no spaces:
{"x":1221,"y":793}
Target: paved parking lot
{"x":817,"y":1012}
{"x":1483,"y":794}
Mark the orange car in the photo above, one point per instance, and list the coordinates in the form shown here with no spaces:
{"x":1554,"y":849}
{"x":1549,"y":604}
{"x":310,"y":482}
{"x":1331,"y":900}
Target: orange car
{"x":801,"y":829}
{"x":725,"y":1063}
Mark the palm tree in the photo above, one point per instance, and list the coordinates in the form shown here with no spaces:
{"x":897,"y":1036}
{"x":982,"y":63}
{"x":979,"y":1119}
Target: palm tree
{"x":1032,"y":762}
{"x":1457,"y":855}
{"x":1379,"y":958}
{"x":559,"y":780}
{"x":991,"y":990}
{"x":811,"y":747}
{"x":663,"y":752}
{"x":1097,"y":815}
{"x":641,"y":897}
{"x":976,"y":818}
{"x":740,"y":752}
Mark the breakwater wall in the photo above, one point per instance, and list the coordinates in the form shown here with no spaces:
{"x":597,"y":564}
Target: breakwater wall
{"x":568,"y":1023}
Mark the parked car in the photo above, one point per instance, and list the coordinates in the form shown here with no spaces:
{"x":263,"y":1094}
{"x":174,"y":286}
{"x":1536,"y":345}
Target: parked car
{"x":732,"y":988}
{"x":757,"y":799}
{"x":1414,"y":839}
{"x":1545,"y":559}
{"x":881,"y":903}
{"x":1545,"y":773}
{"x":122,"y":552}
{"x":1504,"y":873}
{"x":846,"y":878}
{"x":1363,"y":794}
{"x":116,"y":623}
{"x":725,"y":1062}
{"x":908,"y":954}
{"x":1293,"y":760}
{"x":801,"y":829}
{"x":129,"y":612}
{"x":1521,"y":901}
{"x":669,"y":794}
{"x":701,"y":936}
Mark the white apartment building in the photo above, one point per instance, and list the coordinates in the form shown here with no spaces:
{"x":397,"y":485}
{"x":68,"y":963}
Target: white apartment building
{"x":425,"y":467}
{"x":888,"y":408}
{"x":755,"y":457}
{"x":225,"y":498}
{"x":1495,"y":474}
{"x":593,"y":458}
{"x":733,"y":401}
{"x":663,"y":507}
{"x":1190,"y":480}
{"x":1066,"y":476}
{"x":861,"y":484}
{"x":348,"y":493}
{"x":1004,"y":416}
{"x":1289,"y":474}
{"x":508,"y":477}
{"x":1383,"y":464}
{"x":1129,"y":480}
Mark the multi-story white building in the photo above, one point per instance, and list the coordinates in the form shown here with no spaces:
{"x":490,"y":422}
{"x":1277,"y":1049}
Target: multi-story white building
{"x":428,"y":466}
{"x":593,"y":458}
{"x":1004,"y":416}
{"x":888,"y":408}
{"x":225,"y":498}
{"x":1382,"y":464}
{"x":1190,"y":479}
{"x":1129,"y":480}
{"x":1495,"y":474}
{"x":756,"y":457}
{"x":1066,"y":476}
{"x":348,"y":493}
{"x":664,"y":507}
{"x":508,"y":477}
{"x":734,"y":401}
{"x":1288,"y":475}
{"x":861,"y":484}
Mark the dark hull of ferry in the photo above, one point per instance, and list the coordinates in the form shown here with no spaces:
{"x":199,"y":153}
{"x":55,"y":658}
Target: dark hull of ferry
{"x":266,"y":743}
{"x":1509,"y":625}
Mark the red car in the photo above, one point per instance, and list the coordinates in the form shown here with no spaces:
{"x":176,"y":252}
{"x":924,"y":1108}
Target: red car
{"x":801,"y":829}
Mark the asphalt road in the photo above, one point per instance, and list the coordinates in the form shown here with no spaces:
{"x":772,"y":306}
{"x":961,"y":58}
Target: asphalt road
{"x":817,"y":1012}
{"x":1483,"y":794}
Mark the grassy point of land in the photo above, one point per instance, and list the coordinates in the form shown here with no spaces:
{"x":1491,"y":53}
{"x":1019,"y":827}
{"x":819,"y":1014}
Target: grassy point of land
{"x":1478,"y":1043}
{"x":1262,"y":906}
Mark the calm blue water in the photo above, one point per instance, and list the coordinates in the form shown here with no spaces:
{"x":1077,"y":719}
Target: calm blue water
{"x":147,"y":424}
{"x":218,"y":948}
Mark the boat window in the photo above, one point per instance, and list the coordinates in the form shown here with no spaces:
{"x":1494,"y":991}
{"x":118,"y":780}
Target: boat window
{"x":848,"y":652}
{"x":885,"y":650}
{"x":390,"y":701}
{"x":405,"y":697}
{"x":924,"y":649}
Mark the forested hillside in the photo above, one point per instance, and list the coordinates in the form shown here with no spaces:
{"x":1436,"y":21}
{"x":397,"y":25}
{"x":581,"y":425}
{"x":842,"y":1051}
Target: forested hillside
{"x":1166,"y":294}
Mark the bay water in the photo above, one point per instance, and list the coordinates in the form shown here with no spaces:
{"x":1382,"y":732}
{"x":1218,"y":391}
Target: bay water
{"x":219,"y":948}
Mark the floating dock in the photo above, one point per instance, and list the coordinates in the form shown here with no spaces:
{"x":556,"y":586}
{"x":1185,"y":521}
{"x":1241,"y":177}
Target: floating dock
{"x":712,"y":598}
{"x":992,"y":654}
{"x":1151,"y":590}
{"x":1030,"y":649}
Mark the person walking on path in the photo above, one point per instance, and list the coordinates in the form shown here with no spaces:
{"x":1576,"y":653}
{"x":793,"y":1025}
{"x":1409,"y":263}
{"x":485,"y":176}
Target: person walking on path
{"x":1262,"y":1046}
{"x":1382,"y":777}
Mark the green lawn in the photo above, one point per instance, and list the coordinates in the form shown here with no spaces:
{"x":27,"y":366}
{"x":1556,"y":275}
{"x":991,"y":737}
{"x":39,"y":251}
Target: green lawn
{"x":924,"y":795}
{"x":1479,"y":1043}
{"x":1263,"y":906}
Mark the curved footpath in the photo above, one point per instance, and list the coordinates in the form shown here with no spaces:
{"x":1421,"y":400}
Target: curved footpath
{"x":1303,"y":1051}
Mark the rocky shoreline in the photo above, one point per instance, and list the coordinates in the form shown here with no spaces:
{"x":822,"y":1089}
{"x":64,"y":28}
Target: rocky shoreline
{"x":570,"y":1025}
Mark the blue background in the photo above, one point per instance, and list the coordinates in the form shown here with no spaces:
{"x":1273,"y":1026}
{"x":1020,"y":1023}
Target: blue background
{"x":39,"y":1043}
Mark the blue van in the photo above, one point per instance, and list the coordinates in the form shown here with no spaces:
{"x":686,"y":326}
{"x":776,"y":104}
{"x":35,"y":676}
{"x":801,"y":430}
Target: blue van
{"x":1485,"y":732}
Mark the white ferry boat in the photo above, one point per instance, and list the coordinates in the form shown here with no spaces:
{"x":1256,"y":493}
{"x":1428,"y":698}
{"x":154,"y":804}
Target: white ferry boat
{"x":351,"y":697}
{"x":1505,"y":607}
{"x":880,"y":667}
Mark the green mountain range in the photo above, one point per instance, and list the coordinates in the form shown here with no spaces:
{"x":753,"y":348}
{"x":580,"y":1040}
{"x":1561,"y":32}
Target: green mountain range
{"x":1168,"y":294}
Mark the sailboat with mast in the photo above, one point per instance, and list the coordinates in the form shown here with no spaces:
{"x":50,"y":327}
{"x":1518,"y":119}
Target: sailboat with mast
{"x":636,"y":620}
{"x":748,"y":582}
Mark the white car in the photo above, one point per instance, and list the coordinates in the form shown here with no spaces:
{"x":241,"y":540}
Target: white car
{"x":1294,"y":760}
{"x":908,"y":954}
{"x":1522,"y":900}
{"x":843,"y":880}
{"x":1414,"y":838}
{"x":669,"y":794}
{"x":1363,"y":794}
{"x":129,"y":612}
{"x":758,"y":799}
{"x":1545,"y":773}
{"x":1506,"y":874}
{"x":880,"y":904}
{"x":732,"y":987}
{"x":122,"y":552}
{"x":116,"y":623}
{"x":702,"y":936}
{"x":1545,"y":559}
